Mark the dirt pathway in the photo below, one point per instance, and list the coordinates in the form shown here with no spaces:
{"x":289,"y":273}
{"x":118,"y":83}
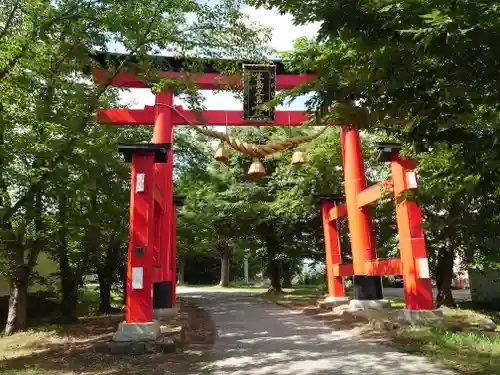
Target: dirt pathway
{"x":257,"y":337}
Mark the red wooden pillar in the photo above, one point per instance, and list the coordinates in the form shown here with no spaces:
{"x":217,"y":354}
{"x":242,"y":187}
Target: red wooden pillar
{"x":157,"y":217}
{"x":163,"y":132}
{"x":332,"y":250}
{"x":359,"y":219}
{"x":178,"y":201}
{"x":173,"y":245}
{"x":412,"y":249}
{"x":140,"y":251}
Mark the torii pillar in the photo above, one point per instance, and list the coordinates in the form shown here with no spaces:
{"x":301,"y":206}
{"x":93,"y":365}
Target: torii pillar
{"x":412,"y":247}
{"x":178,"y":201}
{"x":163,"y":132}
{"x":139,"y":324}
{"x":359,"y":218}
{"x":333,"y":256}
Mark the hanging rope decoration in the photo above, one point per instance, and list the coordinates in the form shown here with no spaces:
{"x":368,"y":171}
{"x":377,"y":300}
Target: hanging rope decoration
{"x":298,"y":156}
{"x":250,"y":149}
{"x":222,"y":155}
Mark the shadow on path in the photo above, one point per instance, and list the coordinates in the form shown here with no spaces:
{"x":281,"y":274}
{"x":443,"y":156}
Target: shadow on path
{"x":256,"y":337}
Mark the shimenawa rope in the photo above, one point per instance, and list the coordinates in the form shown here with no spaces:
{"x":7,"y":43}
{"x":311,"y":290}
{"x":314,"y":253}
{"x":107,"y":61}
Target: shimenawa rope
{"x":249,"y":148}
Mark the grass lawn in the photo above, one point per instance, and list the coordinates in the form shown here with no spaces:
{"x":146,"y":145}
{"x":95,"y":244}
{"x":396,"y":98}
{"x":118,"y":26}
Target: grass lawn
{"x":47,"y":348}
{"x":469,"y":351}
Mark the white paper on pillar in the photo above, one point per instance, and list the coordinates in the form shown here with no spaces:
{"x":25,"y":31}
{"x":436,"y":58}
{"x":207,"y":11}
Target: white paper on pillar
{"x":139,"y":184}
{"x":412,"y":179}
{"x":423,"y":268}
{"x":137,"y":275}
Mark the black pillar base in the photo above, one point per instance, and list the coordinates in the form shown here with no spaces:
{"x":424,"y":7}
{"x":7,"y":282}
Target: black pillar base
{"x":368,"y":287}
{"x":162,"y":295}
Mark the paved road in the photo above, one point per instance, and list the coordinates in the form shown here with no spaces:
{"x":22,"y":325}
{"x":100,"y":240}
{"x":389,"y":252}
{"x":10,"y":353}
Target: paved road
{"x":260,"y":338}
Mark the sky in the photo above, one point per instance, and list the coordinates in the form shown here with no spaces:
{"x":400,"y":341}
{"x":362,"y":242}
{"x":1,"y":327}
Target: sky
{"x":284,"y":35}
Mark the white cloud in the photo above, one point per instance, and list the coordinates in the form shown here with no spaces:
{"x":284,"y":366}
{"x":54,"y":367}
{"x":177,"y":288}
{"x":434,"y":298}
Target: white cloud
{"x":284,"y":31}
{"x":284,"y":35}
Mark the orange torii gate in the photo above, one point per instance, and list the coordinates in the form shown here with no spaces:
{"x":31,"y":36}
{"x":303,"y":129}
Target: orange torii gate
{"x":151,"y":255}
{"x":412,"y":263}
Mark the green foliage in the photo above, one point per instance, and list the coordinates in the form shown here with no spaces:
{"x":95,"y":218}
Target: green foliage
{"x":421,"y":73}
{"x":428,"y":61}
{"x":63,"y":187}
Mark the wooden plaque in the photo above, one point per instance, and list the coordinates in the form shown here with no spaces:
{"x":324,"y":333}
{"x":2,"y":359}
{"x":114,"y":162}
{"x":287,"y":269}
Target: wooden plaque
{"x":260,"y":87}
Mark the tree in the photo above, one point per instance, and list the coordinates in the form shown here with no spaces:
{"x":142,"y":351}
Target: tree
{"x":402,"y":60}
{"x":47,"y":101}
{"x":276,"y":216}
{"x":192,"y":158}
{"x":426,"y":62}
{"x":276,"y":219}
{"x":229,"y":212}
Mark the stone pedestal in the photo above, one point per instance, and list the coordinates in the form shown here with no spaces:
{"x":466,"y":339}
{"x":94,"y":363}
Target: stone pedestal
{"x":330,"y":302}
{"x":369,"y":304}
{"x":336,"y":299}
{"x":137,"y":331}
{"x":165,"y":312}
{"x":417,"y":317}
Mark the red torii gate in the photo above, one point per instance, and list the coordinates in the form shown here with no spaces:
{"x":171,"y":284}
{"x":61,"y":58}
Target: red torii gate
{"x":151,"y":255}
{"x":152,"y":211}
{"x":412,"y":263}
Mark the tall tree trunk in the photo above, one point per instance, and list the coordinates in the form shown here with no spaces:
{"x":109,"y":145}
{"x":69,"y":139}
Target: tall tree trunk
{"x":275,"y":276}
{"x":444,"y":279}
{"x":16,"y":317}
{"x":72,"y":276}
{"x":287,"y":273}
{"x":224,"y":265}
{"x":18,"y":304}
{"x":19,"y":281}
{"x":274,"y":264}
{"x":287,"y":280}
{"x":446,"y":260}
{"x":181,"y":269}
{"x":69,"y":304}
{"x":106,"y":273}
{"x":69,"y":287}
{"x":104,"y":293}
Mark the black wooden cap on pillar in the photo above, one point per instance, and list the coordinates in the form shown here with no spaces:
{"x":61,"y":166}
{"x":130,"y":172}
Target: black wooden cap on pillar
{"x":179,"y":200}
{"x":336,"y":198}
{"x":385,"y":149}
{"x":159,"y":150}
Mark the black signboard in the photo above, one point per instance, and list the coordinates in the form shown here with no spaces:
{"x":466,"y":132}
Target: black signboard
{"x":260,"y":87}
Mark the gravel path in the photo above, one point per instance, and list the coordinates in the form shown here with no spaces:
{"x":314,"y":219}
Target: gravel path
{"x":256,"y":337}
